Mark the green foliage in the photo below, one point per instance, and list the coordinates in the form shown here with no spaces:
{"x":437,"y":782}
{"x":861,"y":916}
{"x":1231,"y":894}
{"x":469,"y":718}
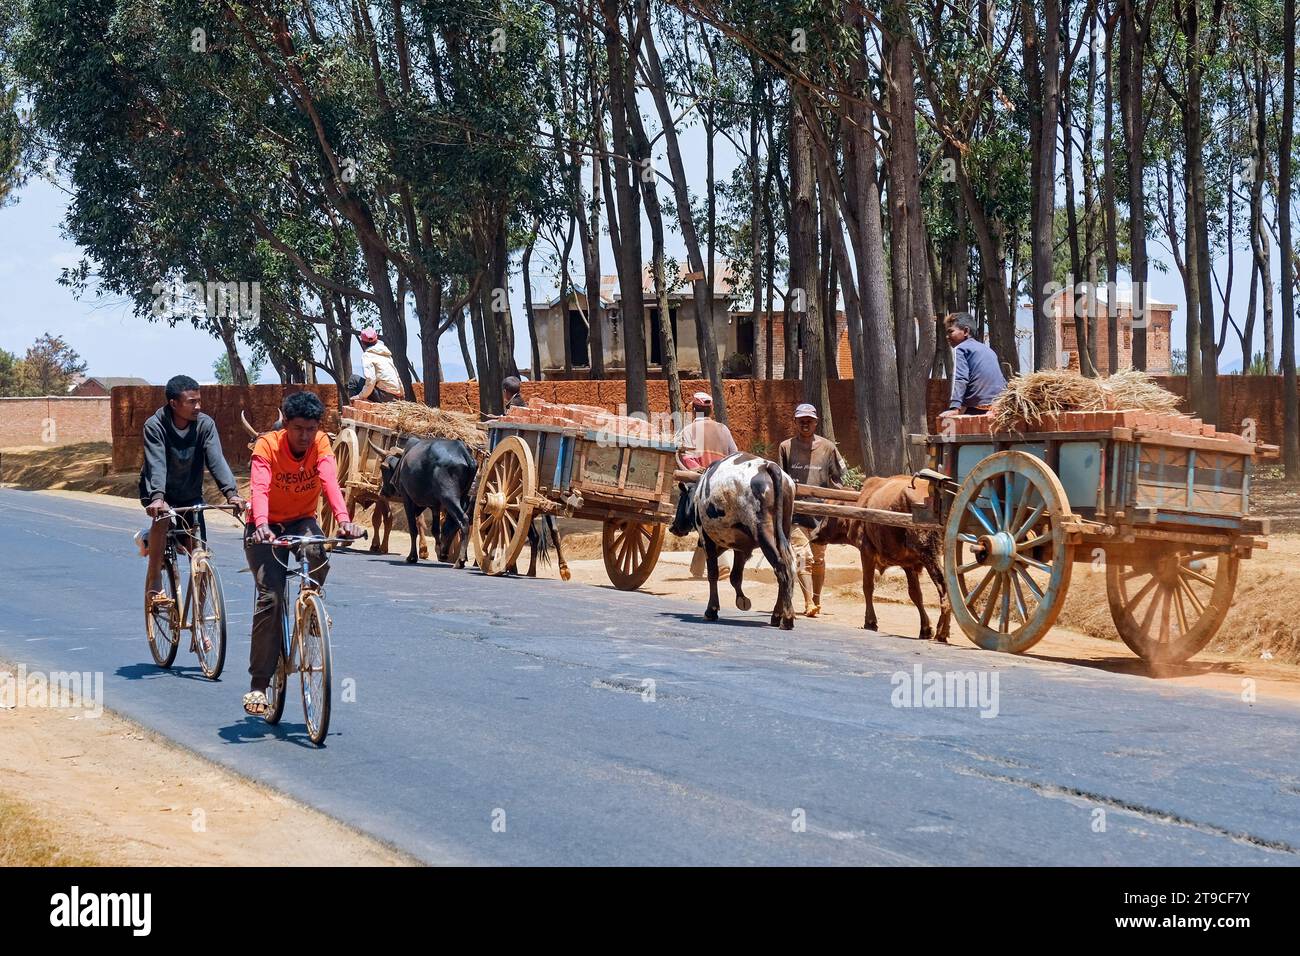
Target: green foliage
{"x":222,"y":372}
{"x":854,"y":477}
{"x":50,"y":366}
{"x":14,"y":380}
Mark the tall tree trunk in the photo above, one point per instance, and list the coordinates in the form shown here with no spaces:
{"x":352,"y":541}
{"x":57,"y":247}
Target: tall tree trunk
{"x":1258,"y":234}
{"x":1108,"y":205}
{"x":701,"y":289}
{"x":526,"y":268}
{"x":804,"y":263}
{"x":654,"y":214}
{"x":1290,"y":400}
{"x":428,"y":305}
{"x":1131,"y":56}
{"x":626,"y":169}
{"x":1042,"y":54}
{"x":913,"y":309}
{"x":465,"y":356}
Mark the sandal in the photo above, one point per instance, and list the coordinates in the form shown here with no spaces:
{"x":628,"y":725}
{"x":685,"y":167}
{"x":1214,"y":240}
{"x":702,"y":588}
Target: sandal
{"x":160,"y":601}
{"x":255,"y":703}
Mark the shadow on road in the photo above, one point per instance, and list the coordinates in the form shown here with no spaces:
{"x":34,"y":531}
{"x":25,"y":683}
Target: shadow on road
{"x":750,"y":622}
{"x":142,"y":671}
{"x":1139,"y":668}
{"x":252,"y":729}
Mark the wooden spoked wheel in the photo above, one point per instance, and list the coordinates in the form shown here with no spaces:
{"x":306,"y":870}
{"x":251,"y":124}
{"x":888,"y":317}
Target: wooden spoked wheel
{"x":503,"y":505}
{"x":1007,"y":556}
{"x":346,"y":460}
{"x":1168,"y":603}
{"x":631,"y":550}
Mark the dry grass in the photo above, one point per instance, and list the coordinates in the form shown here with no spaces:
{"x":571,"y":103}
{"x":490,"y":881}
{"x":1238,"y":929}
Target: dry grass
{"x":1263,"y":618}
{"x":1033,"y":395}
{"x":413,"y":418}
{"x":81,"y":467}
{"x":26,"y":841}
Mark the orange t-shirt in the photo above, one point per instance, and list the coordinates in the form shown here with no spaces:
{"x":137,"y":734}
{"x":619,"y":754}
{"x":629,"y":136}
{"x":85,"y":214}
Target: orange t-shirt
{"x":295,"y":482}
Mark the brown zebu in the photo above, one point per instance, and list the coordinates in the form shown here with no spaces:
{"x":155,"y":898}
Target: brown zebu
{"x":881,"y":547}
{"x":741,"y":503}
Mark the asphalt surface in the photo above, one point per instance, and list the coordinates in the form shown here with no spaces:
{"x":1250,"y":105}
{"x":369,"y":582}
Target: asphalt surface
{"x":510,"y":721}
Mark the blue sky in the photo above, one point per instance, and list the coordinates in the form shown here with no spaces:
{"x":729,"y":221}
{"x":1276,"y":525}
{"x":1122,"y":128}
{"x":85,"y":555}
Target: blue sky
{"x":115,"y":342}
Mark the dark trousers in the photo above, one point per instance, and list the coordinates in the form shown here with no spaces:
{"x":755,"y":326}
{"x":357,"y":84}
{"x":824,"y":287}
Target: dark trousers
{"x":267,"y":564}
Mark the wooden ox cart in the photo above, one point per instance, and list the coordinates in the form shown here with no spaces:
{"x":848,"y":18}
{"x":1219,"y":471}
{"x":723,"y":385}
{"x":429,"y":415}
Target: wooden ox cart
{"x":534,"y":469}
{"x":1163,"y":515}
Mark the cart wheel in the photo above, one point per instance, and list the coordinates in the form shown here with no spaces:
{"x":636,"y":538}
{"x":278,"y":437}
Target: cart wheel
{"x":631,"y":550}
{"x":502,"y":512}
{"x":1167,"y":605}
{"x":345,"y":459}
{"x":1007,"y":558}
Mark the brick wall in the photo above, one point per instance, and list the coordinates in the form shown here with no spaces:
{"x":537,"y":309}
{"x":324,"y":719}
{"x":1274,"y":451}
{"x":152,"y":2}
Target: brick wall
{"x":54,"y":420}
{"x":133,"y":404}
{"x":761,"y":412}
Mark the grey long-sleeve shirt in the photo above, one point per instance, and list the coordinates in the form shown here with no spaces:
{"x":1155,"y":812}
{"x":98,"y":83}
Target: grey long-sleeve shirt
{"x":977,"y":378}
{"x":174,"y":463}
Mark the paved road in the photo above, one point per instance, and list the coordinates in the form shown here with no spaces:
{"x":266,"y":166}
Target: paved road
{"x":522,"y":702}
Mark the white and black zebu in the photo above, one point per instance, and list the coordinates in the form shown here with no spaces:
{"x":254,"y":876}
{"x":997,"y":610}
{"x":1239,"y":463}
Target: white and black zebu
{"x":741,"y":503}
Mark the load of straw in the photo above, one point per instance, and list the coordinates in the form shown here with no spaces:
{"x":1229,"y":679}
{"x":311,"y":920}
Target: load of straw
{"x":1031,"y":397}
{"x":413,"y":418}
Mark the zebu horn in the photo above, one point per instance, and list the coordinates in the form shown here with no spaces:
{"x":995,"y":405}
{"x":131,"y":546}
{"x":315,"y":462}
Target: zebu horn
{"x":252,"y":432}
{"x":382,"y":453}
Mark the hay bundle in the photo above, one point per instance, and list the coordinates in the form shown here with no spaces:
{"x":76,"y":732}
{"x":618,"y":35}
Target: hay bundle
{"x":413,"y":418}
{"x":1032,"y":396}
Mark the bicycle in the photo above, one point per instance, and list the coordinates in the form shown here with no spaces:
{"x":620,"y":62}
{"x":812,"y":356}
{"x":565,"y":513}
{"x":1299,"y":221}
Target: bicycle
{"x":305,"y":643}
{"x":203,"y":611}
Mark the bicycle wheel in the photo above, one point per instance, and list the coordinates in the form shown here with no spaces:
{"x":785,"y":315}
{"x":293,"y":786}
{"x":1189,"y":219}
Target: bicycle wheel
{"x":161,"y":625}
{"x":315,"y":666}
{"x":209,"y":620}
{"x":275,"y":689}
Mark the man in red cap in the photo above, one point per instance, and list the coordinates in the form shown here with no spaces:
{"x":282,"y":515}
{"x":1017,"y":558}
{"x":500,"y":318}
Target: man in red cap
{"x":381,"y":382}
{"x":703,"y":441}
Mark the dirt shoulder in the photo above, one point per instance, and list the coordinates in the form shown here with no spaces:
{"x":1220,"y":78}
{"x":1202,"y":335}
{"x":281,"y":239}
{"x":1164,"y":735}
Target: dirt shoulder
{"x":83,"y":790}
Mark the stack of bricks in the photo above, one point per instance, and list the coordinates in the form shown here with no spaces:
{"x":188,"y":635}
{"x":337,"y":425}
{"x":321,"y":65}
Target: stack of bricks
{"x":592,"y":417}
{"x":367,"y":413}
{"x":1172,"y":422}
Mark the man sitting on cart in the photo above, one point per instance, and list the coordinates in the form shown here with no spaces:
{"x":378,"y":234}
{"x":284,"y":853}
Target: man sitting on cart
{"x":977,"y":377}
{"x":381,"y":383}
{"x":292,"y":468}
{"x":810,"y":459}
{"x":510,"y":397}
{"x":702,"y":442}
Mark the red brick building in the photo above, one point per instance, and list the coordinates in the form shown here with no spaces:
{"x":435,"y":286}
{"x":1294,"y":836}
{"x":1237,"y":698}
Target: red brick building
{"x":1069,"y":309}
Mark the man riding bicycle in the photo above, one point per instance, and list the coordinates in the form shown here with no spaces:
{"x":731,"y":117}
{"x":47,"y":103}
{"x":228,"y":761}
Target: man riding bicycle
{"x":179,"y":442}
{"x":292,"y":467}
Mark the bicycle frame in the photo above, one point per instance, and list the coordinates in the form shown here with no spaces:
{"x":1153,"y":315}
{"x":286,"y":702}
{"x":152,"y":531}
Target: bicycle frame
{"x":184,"y":615}
{"x":294,"y":639}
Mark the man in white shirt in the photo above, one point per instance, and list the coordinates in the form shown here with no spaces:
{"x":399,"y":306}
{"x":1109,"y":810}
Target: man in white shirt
{"x":381,"y":382}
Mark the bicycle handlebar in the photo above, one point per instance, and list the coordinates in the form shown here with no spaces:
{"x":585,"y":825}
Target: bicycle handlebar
{"x":294,"y":540}
{"x":189,"y":509}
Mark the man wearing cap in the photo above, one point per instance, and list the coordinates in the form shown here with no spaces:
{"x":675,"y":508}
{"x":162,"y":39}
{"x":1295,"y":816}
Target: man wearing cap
{"x":810,"y":459}
{"x":381,"y":382}
{"x":702,"y":442}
